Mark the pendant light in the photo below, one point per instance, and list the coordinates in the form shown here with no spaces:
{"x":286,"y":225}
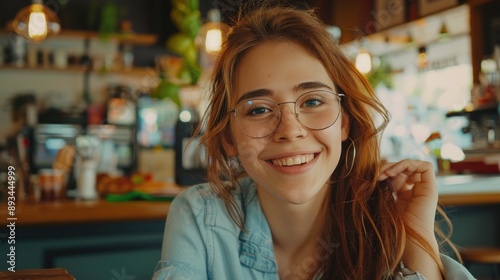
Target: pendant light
{"x":363,"y":60}
{"x":36,"y":22}
{"x":212,"y":32}
{"x":211,"y":38}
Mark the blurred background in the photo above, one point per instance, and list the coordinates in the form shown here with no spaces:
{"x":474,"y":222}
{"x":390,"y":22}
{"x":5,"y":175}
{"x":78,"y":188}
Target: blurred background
{"x":99,"y":99}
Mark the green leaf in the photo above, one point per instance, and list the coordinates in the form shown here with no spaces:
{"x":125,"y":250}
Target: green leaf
{"x":167,"y":89}
{"x":179,"y":43}
{"x":194,"y":71}
{"x":193,"y":4}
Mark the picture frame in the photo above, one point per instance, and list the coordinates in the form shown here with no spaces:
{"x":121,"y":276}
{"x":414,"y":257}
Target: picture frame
{"x":427,"y":7}
{"x":388,"y":13}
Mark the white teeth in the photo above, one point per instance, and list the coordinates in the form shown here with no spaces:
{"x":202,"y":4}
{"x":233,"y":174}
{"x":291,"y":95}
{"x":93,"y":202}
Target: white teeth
{"x":290,"y":161}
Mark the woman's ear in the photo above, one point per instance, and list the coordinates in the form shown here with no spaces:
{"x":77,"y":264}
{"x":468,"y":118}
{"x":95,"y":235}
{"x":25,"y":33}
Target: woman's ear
{"x":228,"y":145}
{"x":344,"y":126}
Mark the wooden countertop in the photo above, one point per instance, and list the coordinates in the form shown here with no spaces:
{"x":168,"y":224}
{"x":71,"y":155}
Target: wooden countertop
{"x":458,"y":190}
{"x":469,"y":199}
{"x":461,"y":190}
{"x":74,"y":211}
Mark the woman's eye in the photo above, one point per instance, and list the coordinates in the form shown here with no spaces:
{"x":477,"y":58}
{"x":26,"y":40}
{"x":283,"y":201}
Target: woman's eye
{"x":258,"y":111}
{"x":312,"y":103}
{"x":312,"y":100}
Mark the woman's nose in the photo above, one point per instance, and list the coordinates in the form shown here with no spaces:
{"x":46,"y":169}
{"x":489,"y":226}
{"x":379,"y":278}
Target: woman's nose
{"x":289,"y":127}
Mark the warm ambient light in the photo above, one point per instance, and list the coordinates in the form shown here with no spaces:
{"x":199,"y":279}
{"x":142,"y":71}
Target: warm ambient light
{"x":37,"y":25}
{"x":36,"y":22}
{"x":364,"y":61}
{"x":212,"y":33}
{"x":211,"y":38}
{"x":213,"y":41}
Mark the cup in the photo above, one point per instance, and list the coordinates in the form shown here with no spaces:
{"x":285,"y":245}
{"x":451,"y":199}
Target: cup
{"x":51,"y":184}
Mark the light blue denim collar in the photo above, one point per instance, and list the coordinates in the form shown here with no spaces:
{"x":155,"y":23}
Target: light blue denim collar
{"x":257,"y":250}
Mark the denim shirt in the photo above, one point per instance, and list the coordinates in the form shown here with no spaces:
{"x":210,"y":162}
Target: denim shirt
{"x":202,"y":242}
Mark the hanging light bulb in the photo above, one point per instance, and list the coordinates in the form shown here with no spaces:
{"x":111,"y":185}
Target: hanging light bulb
{"x":213,"y":41}
{"x":211,"y":37}
{"x":36,"y":22}
{"x":363,"y":61}
{"x":212,"y":32}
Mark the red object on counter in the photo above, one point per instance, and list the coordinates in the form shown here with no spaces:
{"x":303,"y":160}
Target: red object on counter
{"x":478,"y":163}
{"x":475,"y":167}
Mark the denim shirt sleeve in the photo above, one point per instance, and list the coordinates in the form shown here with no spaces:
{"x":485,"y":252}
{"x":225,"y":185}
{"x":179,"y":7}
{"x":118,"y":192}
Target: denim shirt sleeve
{"x":454,"y":271}
{"x":183,"y":253}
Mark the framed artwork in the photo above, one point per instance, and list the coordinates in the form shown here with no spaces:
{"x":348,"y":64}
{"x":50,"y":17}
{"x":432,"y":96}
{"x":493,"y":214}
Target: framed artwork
{"x":427,"y":7}
{"x":388,"y":13}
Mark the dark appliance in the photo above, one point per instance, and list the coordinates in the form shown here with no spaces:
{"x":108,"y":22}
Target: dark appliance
{"x":189,"y":153}
{"x":48,"y":139}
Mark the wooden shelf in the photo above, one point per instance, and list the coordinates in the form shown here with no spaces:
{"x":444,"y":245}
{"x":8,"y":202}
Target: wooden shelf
{"x":132,"y":38}
{"x":136,"y":71}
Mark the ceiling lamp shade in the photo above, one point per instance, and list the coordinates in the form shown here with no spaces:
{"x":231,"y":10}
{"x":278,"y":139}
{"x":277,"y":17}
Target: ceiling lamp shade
{"x":36,"y":22}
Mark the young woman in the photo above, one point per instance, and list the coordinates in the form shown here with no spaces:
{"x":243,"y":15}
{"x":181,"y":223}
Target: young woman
{"x":296,"y":186}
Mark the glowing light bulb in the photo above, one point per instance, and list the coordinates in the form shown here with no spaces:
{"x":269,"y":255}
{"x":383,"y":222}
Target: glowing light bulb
{"x":364,"y":62}
{"x":37,"y":25}
{"x":36,"y":22}
{"x":213,"y":40}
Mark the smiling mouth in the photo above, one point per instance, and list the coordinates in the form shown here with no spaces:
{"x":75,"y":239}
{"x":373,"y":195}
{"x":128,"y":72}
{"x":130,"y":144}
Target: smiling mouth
{"x":291,"y":161}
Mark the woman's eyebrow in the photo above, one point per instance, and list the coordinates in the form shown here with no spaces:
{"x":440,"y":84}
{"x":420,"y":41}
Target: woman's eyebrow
{"x":311,"y":85}
{"x":255,"y":94}
{"x":263,"y":92}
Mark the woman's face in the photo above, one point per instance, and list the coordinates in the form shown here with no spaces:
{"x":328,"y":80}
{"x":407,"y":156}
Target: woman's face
{"x":293,"y":163}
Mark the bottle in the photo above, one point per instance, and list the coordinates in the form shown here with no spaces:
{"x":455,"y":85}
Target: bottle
{"x":86,"y":183}
{"x":189,"y":153}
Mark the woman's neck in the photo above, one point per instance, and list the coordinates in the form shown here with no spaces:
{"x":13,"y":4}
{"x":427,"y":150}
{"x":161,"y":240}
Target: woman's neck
{"x":296,"y":229}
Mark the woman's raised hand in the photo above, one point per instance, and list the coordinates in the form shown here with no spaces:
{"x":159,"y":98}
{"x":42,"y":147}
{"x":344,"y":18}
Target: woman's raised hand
{"x":415,"y":192}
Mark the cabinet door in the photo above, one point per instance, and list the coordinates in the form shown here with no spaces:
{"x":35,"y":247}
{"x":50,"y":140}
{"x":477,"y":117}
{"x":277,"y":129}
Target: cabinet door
{"x":118,"y":251}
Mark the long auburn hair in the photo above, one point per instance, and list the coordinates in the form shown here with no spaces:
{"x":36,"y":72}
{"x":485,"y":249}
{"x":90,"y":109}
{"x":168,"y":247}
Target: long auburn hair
{"x":363,"y":216}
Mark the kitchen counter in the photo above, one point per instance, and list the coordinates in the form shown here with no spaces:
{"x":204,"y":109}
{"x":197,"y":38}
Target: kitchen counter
{"x":74,"y":211}
{"x":464,"y":190}
{"x":453,"y":190}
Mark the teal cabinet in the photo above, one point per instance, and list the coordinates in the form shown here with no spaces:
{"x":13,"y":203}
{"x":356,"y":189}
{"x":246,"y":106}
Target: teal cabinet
{"x":112,"y":250}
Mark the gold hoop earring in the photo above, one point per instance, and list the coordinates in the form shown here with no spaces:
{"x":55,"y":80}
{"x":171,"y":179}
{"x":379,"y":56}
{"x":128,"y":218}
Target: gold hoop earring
{"x":352,"y":147}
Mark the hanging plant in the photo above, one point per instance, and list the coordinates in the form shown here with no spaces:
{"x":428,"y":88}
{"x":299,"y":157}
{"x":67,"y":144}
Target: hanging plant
{"x":186,"y":16}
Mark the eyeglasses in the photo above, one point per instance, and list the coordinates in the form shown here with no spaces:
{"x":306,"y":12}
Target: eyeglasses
{"x":316,"y":110}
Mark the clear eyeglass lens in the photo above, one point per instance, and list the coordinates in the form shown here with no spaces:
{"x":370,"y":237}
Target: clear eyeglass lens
{"x":316,"y":110}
